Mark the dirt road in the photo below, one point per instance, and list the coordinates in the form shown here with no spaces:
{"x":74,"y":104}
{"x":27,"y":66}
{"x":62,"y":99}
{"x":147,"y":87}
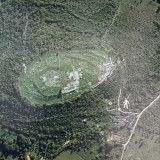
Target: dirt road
{"x":133,"y":129}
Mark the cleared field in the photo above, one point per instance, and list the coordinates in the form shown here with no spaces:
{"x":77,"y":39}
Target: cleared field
{"x":67,"y":155}
{"x":59,"y":76}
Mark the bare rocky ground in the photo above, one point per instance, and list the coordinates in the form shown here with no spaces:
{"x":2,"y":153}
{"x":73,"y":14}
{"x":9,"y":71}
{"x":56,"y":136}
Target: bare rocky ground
{"x":135,"y":39}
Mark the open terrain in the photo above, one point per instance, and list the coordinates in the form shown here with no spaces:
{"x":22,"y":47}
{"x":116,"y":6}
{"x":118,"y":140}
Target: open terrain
{"x":145,"y":142}
{"x":135,"y":37}
{"x":67,"y":155}
{"x":58,"y":76}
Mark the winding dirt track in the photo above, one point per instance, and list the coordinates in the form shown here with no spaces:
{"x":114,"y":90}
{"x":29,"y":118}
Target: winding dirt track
{"x":133,"y":129}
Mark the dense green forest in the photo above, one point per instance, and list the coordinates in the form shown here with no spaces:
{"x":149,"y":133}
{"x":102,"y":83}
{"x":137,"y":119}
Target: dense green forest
{"x":31,"y":28}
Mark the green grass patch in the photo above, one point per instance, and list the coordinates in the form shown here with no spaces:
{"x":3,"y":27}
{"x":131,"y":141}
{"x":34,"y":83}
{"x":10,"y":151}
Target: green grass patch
{"x":48,"y":75}
{"x":68,"y":155}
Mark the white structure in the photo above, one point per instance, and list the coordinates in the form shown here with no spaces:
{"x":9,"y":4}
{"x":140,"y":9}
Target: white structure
{"x":56,"y":77}
{"x":44,"y":79}
{"x":24,"y":67}
{"x":107,"y":67}
{"x":125,"y":103}
{"x":73,"y":75}
{"x":76,"y":76}
{"x":80,"y":75}
{"x":84,"y":120}
{"x":74,"y":85}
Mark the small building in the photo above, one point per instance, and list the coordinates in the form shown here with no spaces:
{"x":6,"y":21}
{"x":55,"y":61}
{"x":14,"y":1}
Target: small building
{"x":24,"y":67}
{"x":56,"y":77}
{"x":72,"y":86}
{"x":84,"y":120}
{"x":44,"y":79}
{"x":70,"y":75}
{"x":75,"y":75}
{"x":80,"y":75}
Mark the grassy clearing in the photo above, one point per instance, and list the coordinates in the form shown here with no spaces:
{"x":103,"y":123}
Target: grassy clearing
{"x":67,"y":155}
{"x":47,"y":76}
